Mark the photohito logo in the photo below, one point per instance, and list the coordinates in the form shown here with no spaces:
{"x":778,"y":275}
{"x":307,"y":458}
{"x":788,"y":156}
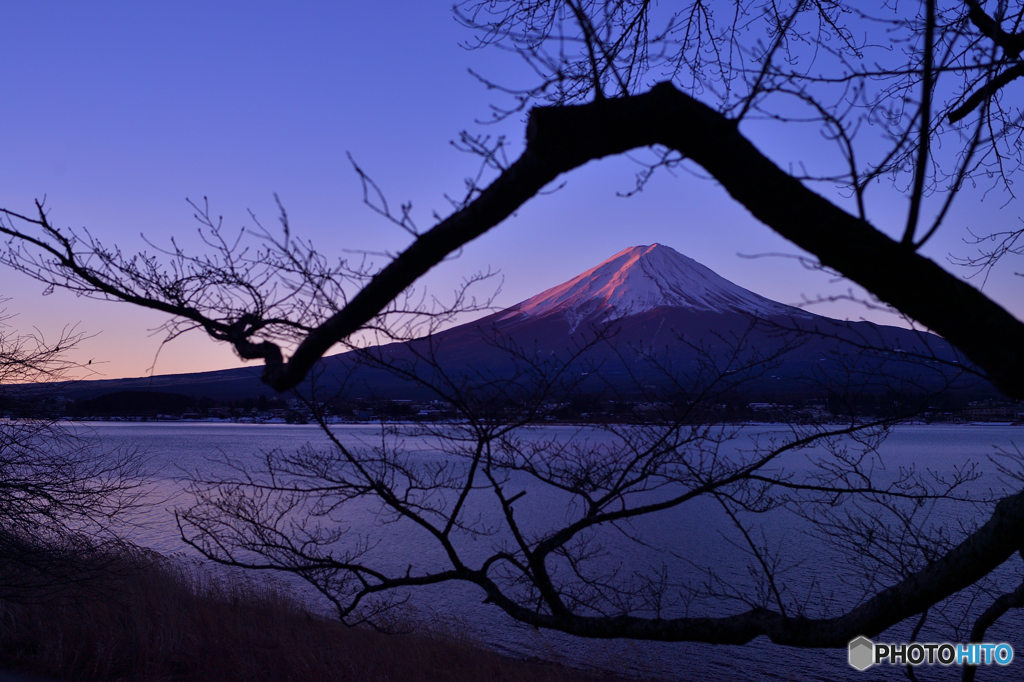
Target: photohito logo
{"x":864,"y":653}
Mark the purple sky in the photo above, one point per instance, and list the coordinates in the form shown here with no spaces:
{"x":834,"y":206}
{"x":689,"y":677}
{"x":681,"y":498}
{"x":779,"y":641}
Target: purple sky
{"x":116,"y":112}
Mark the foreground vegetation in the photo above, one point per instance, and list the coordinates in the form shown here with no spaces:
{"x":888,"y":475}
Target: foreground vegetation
{"x":150,"y":618}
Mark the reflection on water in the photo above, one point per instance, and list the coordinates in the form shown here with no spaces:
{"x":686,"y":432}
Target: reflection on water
{"x":698,"y":537}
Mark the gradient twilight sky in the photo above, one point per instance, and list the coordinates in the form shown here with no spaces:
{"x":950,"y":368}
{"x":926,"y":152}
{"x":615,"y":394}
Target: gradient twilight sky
{"x":117,"y":112}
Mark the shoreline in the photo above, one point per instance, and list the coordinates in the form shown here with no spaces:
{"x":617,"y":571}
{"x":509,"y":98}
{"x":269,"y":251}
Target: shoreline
{"x":253,"y":421}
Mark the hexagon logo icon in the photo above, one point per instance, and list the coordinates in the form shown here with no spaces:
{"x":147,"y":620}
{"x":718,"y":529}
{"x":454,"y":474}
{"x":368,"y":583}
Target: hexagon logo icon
{"x":862,"y":653}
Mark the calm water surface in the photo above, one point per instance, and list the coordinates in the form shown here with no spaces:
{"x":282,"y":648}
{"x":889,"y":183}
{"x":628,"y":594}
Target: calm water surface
{"x":699,"y":534}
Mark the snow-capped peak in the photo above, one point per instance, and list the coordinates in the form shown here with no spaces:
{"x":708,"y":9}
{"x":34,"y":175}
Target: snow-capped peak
{"x":641,"y":278}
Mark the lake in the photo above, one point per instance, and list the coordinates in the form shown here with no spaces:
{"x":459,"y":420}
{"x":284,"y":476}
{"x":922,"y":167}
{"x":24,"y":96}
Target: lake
{"x":699,"y":537}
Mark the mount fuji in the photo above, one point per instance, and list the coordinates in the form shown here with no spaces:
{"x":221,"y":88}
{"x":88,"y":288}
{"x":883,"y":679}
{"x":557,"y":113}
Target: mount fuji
{"x":643,"y":314}
{"x":659,"y":312}
{"x":643,"y":278}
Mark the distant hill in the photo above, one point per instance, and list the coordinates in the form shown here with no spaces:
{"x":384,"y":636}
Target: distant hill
{"x":135,"y":402}
{"x":227,"y":384}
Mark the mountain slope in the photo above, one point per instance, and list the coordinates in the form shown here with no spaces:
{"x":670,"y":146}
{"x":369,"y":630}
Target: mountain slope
{"x":648,"y":317}
{"x":651,"y":318}
{"x":639,"y":279}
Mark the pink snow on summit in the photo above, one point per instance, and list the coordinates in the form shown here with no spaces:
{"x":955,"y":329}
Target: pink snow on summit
{"x":641,"y":278}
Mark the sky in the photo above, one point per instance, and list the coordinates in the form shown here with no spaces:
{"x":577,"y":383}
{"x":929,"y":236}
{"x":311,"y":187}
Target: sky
{"x":118,"y":112}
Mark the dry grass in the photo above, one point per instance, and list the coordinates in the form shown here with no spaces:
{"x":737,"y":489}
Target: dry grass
{"x":165,"y":621}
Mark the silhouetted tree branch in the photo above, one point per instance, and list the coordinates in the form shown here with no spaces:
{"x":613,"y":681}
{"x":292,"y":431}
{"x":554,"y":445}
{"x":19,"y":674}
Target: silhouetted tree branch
{"x":478,"y":505}
{"x":62,"y":495}
{"x":598,"y":67}
{"x":560,"y":139}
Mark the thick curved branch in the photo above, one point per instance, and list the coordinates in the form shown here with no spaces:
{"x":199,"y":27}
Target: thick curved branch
{"x":1012,"y":43}
{"x":562,"y":138}
{"x":974,"y":558}
{"x":985,"y":93}
{"x":1002,"y":604}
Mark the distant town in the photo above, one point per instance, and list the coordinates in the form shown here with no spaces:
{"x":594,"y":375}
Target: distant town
{"x":163,"y":406}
